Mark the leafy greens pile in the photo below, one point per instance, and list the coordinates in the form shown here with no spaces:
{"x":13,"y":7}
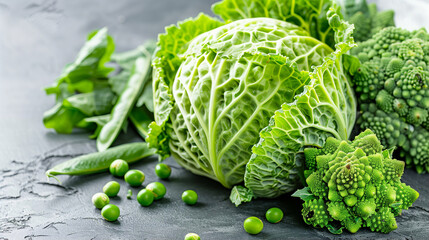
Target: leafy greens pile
{"x":88,"y":98}
{"x":272,"y":69}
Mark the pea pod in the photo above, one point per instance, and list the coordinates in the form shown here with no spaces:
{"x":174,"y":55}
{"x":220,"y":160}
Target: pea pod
{"x":100,"y":161}
{"x":141,"y":119}
{"x":125,"y":103}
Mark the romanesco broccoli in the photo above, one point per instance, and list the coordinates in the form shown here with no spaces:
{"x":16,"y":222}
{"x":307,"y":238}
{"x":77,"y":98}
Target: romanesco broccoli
{"x":355,"y":184}
{"x":366,"y":19}
{"x":393,"y":94}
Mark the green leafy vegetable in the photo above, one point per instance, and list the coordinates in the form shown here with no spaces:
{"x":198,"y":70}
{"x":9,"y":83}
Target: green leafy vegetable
{"x":305,"y":194}
{"x":240,"y":194}
{"x":217,"y":89}
{"x":356,"y":185}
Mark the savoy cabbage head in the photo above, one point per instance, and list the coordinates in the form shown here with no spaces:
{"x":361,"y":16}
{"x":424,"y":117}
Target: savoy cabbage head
{"x":259,"y":86}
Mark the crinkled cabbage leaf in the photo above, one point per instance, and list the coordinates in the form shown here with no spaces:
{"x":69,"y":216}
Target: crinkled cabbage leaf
{"x":218,"y":84}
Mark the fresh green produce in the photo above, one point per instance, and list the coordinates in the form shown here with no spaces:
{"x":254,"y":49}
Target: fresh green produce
{"x":162,"y":170}
{"x":100,"y":200}
{"x":112,"y":188}
{"x":145,"y":197}
{"x":355,"y":184}
{"x":158,"y":189}
{"x":253,"y":225}
{"x":110,"y":212}
{"x":118,"y":168}
{"x":129,"y":194}
{"x":274,"y":215}
{"x":392,"y":88}
{"x":100,"y":161}
{"x":366,"y":19}
{"x":217,"y":84}
{"x":125,"y":103}
{"x":192,"y":236}
{"x":91,"y":97}
{"x":190,"y":197}
{"x":134,"y":177}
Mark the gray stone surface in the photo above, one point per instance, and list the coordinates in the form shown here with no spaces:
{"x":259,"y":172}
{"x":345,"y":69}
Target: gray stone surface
{"x":37,"y":38}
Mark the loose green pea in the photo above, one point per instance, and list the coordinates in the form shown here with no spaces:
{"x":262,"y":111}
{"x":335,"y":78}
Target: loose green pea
{"x":129,"y":194}
{"x":253,"y":225}
{"x":118,"y":168}
{"x":100,"y":200}
{"x":145,"y":197}
{"x":134,"y":177}
{"x":274,"y":215}
{"x":192,"y":236}
{"x":162,"y":170}
{"x":111,"y":188}
{"x":158,"y":189}
{"x":110,"y":212}
{"x":190,"y":197}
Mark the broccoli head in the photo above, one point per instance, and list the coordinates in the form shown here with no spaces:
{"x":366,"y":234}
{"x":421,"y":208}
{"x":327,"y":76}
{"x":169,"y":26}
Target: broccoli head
{"x":355,"y":184}
{"x":392,"y":85}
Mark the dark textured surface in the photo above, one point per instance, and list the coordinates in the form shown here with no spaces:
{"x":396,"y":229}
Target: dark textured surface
{"x":37,"y":38}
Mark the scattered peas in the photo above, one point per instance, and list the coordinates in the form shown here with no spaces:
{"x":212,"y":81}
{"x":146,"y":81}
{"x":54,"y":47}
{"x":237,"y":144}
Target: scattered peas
{"x":158,"y":189}
{"x":111,"y":188}
{"x":253,"y":225}
{"x":110,"y":212}
{"x":129,"y":194}
{"x":118,"y":168}
{"x":274,"y":215}
{"x":192,"y":236}
{"x":190,"y":197}
{"x":145,"y":197}
{"x":162,"y":170}
{"x":100,"y":200}
{"x":134,"y":177}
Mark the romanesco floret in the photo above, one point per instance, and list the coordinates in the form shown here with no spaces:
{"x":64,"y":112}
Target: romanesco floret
{"x":392,"y":85}
{"x":356,"y":185}
{"x":366,"y":19}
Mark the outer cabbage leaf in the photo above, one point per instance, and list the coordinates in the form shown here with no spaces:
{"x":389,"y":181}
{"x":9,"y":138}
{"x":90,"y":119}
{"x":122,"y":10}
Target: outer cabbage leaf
{"x":325,"y":109}
{"x":165,"y":65}
{"x":230,"y":84}
{"x":307,"y":14}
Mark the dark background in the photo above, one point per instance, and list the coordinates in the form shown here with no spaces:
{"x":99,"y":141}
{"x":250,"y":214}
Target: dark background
{"x":37,"y":38}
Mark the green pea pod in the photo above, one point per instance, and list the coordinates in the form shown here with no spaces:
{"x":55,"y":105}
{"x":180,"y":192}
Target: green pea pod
{"x":141,"y":118}
{"x":100,"y":161}
{"x":125,"y":103}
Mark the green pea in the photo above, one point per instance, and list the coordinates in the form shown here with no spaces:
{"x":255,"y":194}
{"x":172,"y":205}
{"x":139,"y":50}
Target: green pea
{"x":129,"y":194}
{"x":253,"y":225}
{"x":192,"y":236}
{"x":145,"y":197}
{"x":134,"y":177}
{"x":100,"y":161}
{"x":158,"y":189}
{"x":190,"y":197}
{"x":118,"y":168}
{"x":110,"y":212}
{"x":100,"y":200}
{"x":274,"y":215}
{"x":111,"y":188}
{"x":162,"y":170}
